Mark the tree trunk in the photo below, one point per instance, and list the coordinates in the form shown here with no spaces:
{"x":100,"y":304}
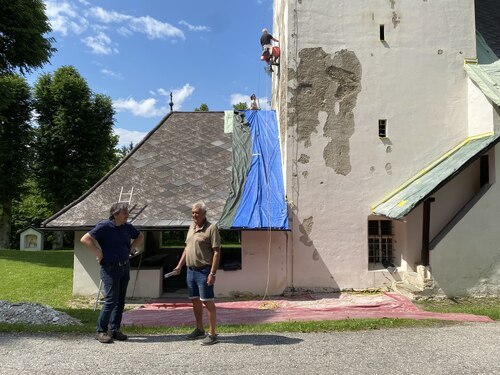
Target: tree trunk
{"x":5,"y":224}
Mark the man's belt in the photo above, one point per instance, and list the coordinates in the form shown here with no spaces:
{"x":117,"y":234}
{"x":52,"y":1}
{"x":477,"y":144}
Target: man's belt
{"x":200,"y":268}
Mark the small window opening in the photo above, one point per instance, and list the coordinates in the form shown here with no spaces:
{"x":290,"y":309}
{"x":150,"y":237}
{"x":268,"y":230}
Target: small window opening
{"x":382,"y":128}
{"x":382,"y":33}
{"x":380,"y":241}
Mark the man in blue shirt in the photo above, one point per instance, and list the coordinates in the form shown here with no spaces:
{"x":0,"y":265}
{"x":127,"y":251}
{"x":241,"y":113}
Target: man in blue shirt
{"x":117,"y":239}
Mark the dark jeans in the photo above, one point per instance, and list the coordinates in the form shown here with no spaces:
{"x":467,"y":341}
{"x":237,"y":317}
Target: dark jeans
{"x":115,"y":280}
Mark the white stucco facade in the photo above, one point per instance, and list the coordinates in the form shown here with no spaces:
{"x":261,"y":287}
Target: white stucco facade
{"x":336,"y":80}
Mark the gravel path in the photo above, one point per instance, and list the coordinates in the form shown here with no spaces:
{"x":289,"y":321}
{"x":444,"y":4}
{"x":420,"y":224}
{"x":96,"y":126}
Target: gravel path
{"x":472,"y":348}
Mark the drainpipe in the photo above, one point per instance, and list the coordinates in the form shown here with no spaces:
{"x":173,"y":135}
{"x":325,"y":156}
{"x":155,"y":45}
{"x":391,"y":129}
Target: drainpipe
{"x":426,"y":227}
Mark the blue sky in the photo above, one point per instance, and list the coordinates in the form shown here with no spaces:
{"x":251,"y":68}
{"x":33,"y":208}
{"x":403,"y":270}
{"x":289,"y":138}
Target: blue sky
{"x":137,"y":52}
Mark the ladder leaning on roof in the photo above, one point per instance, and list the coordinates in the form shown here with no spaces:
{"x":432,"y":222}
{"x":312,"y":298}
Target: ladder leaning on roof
{"x":122,"y":197}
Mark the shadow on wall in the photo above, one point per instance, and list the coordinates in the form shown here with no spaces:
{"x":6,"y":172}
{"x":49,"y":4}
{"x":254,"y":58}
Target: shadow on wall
{"x":465,"y":256}
{"x":310,"y":272}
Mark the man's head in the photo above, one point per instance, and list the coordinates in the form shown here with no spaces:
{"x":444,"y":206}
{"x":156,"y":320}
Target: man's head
{"x":199,"y":213}
{"x":119,"y":213}
{"x":264,"y":31}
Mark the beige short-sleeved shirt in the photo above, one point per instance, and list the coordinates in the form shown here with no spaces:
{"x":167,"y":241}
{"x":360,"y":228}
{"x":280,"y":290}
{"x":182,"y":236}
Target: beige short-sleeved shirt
{"x":199,"y":245}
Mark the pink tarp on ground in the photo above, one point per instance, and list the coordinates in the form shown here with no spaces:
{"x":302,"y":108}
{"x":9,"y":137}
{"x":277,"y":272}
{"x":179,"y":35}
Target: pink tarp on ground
{"x":178,"y":312}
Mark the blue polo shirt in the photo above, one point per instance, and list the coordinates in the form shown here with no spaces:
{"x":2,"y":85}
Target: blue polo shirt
{"x":114,"y":240}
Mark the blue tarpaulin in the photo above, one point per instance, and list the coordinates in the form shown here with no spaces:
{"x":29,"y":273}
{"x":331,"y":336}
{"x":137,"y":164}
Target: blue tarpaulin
{"x":257,"y":196}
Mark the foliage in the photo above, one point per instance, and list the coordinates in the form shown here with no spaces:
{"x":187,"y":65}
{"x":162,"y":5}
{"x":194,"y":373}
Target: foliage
{"x":241,"y":106}
{"x":22,"y":44}
{"x":29,"y":209}
{"x":477,"y":306}
{"x":16,"y":137}
{"x":124,"y":150}
{"x":75,"y":141}
{"x":202,"y":108}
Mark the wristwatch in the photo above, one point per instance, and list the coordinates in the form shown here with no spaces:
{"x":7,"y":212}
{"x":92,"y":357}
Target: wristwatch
{"x":212,"y":273}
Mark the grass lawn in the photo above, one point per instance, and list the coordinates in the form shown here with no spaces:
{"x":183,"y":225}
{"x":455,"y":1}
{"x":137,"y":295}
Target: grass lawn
{"x":46,"y":277}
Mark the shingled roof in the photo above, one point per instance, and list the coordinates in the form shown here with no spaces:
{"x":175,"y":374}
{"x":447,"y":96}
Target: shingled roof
{"x":185,"y":159}
{"x":487,"y":22}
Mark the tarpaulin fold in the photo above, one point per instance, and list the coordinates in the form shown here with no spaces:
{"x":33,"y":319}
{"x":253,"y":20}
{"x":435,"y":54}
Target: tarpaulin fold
{"x":257,"y":193}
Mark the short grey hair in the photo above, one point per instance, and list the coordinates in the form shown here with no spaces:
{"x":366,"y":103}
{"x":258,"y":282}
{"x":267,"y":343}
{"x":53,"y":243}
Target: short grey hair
{"x":264,"y":31}
{"x":200,"y":205}
{"x":116,"y":208}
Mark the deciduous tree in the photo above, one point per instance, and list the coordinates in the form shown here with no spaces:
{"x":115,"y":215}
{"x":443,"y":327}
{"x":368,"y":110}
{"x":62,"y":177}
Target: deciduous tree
{"x":241,"y":106}
{"x":23,"y":46}
{"x":75,"y":141}
{"x":16,"y":136}
{"x":202,"y":108}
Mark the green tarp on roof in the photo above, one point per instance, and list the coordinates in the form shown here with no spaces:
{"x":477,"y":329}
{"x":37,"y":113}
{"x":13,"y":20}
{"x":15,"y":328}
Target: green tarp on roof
{"x":415,"y":190}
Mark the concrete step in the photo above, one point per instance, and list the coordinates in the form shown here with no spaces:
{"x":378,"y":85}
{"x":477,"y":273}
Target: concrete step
{"x":408,"y":290}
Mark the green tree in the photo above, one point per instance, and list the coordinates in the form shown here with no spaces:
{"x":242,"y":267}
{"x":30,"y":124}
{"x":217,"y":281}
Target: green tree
{"x":75,"y":142}
{"x":241,"y":106}
{"x":16,"y":138}
{"x":30,"y":208}
{"x":124,"y":150}
{"x":23,"y":46}
{"x":202,"y":108}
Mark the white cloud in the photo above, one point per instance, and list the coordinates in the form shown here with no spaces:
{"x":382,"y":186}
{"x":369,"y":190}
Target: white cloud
{"x":152,"y":107}
{"x":193,"y":27}
{"x":111,"y":74}
{"x":126,"y":136}
{"x":124,"y":31}
{"x":163,"y":92}
{"x":155,"y":29}
{"x":180,"y":95}
{"x":100,"y":44}
{"x":150,"y":26}
{"x":142,"y":108}
{"x":242,"y":98}
{"x":108,"y":16}
{"x":64,"y":18}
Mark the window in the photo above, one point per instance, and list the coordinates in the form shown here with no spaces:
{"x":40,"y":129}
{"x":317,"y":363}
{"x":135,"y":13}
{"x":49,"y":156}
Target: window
{"x":382,"y":128}
{"x":379,"y":241}
{"x":382,"y":33}
{"x":230,"y":259}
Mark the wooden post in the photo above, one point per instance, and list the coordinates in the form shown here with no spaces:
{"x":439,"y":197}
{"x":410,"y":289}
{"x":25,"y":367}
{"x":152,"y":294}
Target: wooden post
{"x":426,"y":227}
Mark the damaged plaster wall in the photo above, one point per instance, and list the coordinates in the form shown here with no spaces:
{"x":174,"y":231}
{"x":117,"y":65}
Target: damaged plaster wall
{"x":341,"y":79}
{"x":329,"y":84}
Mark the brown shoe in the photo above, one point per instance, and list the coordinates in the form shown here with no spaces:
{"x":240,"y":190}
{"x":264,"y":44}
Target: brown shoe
{"x":117,"y":335}
{"x":103,"y":337}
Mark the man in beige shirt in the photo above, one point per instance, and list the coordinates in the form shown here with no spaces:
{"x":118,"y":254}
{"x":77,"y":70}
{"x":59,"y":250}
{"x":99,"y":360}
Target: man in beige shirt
{"x":201,"y":255}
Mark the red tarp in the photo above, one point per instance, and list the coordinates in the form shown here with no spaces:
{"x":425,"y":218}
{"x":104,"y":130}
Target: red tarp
{"x":304,"y":308}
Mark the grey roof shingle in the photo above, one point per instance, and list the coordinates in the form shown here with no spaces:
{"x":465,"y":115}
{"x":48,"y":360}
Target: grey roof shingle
{"x":487,"y":22}
{"x":183,"y":160}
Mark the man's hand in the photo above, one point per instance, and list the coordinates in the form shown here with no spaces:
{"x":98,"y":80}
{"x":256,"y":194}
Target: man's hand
{"x":99,"y":256}
{"x":211,"y":279}
{"x":177,"y":271}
